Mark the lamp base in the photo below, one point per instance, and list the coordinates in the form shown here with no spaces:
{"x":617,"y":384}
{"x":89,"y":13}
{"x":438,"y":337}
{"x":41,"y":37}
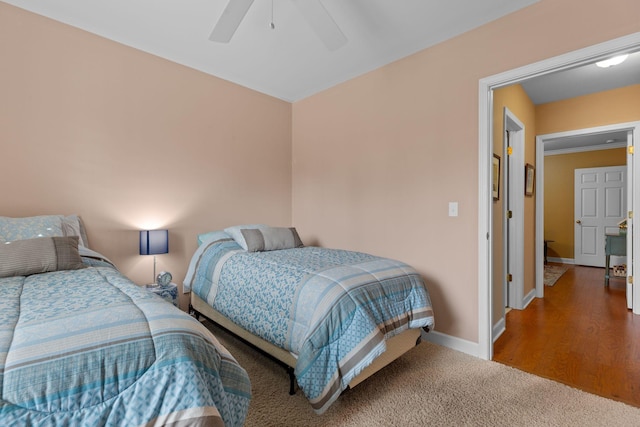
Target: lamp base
{"x":154,"y":270}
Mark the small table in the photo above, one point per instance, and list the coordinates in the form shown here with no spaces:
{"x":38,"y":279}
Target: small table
{"x":615,"y":244}
{"x":169,"y":292}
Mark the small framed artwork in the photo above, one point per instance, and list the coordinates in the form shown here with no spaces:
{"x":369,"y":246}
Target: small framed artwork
{"x":495,"y":185}
{"x":529,"y":179}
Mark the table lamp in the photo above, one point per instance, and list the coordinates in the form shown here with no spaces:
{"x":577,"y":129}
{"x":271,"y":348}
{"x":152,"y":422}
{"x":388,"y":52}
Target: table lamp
{"x":154,"y":242}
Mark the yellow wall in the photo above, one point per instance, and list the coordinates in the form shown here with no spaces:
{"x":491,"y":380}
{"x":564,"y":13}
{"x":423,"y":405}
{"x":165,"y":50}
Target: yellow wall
{"x":516,"y":100}
{"x":559,"y":195}
{"x":599,"y":109}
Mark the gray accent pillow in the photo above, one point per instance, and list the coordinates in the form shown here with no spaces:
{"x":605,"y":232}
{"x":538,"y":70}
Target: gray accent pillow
{"x":40,"y":255}
{"x":236,"y":233}
{"x":271,"y":239}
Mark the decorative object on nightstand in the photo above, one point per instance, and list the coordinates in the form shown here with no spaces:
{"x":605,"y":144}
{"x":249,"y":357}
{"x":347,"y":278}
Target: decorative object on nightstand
{"x":168,"y":291}
{"x":154,"y":242}
{"x":163,"y":278}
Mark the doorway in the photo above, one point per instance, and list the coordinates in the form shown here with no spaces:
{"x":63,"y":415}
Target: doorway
{"x":628,"y":133}
{"x":485,"y":235}
{"x":600,"y":205}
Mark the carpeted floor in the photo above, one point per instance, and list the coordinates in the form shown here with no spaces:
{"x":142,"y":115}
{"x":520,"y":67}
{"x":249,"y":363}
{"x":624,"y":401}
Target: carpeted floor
{"x":429,"y":386}
{"x":552,"y":273}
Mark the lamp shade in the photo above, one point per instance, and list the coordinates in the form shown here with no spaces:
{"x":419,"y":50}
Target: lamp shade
{"x":154,"y":242}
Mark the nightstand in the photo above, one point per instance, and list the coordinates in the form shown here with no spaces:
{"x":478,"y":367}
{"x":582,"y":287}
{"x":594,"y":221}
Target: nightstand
{"x":168,"y":292}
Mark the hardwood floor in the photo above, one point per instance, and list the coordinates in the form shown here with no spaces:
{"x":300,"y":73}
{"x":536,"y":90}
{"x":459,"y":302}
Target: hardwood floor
{"x":580,"y":334}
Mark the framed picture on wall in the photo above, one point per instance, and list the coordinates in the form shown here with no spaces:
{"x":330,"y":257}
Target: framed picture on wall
{"x":495,"y":186}
{"x":529,"y":179}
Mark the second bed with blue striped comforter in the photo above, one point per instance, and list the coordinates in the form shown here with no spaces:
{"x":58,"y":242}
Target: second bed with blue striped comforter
{"x":333,"y":309}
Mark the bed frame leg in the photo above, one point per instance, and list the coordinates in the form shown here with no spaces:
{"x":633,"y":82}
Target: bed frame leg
{"x":292,"y":381}
{"x":289,"y":369}
{"x":195,"y":313}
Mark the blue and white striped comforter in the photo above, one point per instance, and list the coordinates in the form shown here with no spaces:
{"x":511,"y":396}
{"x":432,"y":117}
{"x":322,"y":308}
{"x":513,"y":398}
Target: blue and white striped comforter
{"x":333,"y":309}
{"x":90,"y":348}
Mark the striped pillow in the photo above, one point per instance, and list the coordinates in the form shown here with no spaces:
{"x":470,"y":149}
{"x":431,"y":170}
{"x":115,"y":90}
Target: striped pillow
{"x":40,"y":255}
{"x":236,"y":233}
{"x":271,"y":239}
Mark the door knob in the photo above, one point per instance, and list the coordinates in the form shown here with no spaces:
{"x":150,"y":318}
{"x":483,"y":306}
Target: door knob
{"x":578,"y":221}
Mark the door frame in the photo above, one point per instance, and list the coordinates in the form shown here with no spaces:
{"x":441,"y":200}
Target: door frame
{"x":633,"y":298}
{"x":485,"y":154}
{"x":513,"y":228}
{"x":632,"y":190}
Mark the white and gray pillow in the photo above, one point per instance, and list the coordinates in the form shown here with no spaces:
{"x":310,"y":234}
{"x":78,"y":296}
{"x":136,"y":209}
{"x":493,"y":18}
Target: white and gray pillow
{"x":39,"y":255}
{"x":212,"y":235}
{"x":236,"y":232}
{"x":271,"y":238}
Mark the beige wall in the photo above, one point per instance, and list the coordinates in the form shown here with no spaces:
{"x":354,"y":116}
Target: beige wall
{"x":129,"y":141}
{"x":517,"y":101}
{"x":377,"y":159}
{"x":374,"y":161}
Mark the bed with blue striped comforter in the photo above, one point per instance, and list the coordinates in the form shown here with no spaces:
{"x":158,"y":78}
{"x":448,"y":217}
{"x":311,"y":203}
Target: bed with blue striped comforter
{"x":90,"y":348}
{"x":333,"y":309}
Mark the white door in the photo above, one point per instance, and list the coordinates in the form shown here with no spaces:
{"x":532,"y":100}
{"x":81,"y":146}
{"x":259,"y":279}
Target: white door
{"x":630,"y":232}
{"x":514,"y":205}
{"x":600,"y":204}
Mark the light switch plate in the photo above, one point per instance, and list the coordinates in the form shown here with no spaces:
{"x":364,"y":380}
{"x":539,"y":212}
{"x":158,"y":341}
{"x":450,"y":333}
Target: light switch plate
{"x":453,"y":208}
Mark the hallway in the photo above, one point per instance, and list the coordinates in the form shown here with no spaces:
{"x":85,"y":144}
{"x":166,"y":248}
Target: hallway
{"x":580,"y":334}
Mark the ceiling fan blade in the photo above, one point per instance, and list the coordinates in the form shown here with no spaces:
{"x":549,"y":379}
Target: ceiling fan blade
{"x":322,"y":23}
{"x":230,"y":20}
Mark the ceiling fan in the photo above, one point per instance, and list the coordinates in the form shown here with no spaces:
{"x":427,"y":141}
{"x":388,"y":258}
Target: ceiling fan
{"x":312,"y":10}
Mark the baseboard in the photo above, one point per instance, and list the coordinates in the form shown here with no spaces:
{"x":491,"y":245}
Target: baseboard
{"x":499,"y":328}
{"x":462,"y":345}
{"x":528,"y":298}
{"x":453,"y":343}
{"x":561,"y":260}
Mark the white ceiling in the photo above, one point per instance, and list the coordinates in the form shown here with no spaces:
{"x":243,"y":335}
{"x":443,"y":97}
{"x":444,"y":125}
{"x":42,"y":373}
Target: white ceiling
{"x":289,"y":62}
{"x":584,"y":80}
{"x":597,"y":140}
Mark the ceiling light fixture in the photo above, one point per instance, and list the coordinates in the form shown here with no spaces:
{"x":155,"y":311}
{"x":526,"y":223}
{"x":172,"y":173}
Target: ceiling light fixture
{"x":612,"y":61}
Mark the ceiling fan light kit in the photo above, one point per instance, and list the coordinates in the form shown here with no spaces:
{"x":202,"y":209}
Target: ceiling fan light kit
{"x":616,"y":60}
{"x":313,"y":11}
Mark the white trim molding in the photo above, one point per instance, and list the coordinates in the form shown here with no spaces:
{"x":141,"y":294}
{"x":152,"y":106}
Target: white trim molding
{"x":485,"y":153}
{"x":454,"y":343}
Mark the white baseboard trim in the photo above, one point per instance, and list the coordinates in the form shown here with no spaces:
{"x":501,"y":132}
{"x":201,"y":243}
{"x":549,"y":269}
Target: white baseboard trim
{"x":499,"y":328}
{"x":454,"y":343}
{"x":561,"y":260}
{"x":528,"y":298}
